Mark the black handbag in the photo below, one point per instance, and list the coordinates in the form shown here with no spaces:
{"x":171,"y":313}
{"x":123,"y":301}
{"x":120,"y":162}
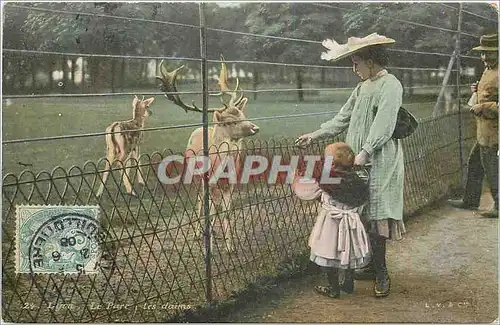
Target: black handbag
{"x":406,"y":123}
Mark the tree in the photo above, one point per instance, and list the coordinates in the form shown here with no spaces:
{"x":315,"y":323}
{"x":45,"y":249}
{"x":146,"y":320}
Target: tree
{"x":290,"y":20}
{"x":393,"y":20}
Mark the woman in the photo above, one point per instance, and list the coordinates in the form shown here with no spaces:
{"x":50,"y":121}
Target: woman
{"x":369,"y":115}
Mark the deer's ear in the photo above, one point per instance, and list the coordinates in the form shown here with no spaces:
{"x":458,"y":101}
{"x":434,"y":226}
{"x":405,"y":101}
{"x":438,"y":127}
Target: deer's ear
{"x":149,"y":101}
{"x":134,"y":102}
{"x":242,"y":104}
{"x":217,"y":117}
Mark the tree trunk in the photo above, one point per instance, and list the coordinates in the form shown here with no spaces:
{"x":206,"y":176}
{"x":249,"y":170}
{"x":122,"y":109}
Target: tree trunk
{"x":13,"y":81}
{"x":33,"y":76}
{"x":410,"y":83}
{"x":51,"y":77}
{"x":13,"y":73}
{"x":65,"y":80}
{"x":73,"y":71}
{"x":94,"y":74}
{"x":300,"y":92}
{"x":255,"y":82}
{"x":113,"y":72}
{"x":82,"y":85}
{"x":123,"y":75}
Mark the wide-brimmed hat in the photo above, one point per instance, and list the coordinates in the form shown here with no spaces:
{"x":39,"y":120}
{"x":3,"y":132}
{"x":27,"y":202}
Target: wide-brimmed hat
{"x":354,"y":44}
{"x":487,"y":43}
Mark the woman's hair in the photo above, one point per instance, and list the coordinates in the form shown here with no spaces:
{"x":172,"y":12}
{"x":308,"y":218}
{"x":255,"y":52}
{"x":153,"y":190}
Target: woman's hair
{"x":376,"y":53}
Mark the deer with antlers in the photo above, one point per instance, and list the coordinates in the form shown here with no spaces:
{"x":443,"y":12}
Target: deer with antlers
{"x":122,"y":142}
{"x":225,"y":138}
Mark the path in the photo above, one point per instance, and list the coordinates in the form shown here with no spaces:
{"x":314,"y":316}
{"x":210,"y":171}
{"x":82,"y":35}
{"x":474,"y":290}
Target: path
{"x":444,"y":271}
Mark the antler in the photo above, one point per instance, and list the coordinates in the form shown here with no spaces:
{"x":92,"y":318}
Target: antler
{"x":223,"y":85}
{"x":168,"y":86}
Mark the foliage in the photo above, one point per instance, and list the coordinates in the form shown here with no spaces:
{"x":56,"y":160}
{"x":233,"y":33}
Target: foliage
{"x":393,"y":20}
{"x":171,"y":29}
{"x":289,"y":20}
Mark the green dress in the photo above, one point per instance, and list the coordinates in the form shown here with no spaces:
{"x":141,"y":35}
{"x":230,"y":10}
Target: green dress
{"x":372,"y":132}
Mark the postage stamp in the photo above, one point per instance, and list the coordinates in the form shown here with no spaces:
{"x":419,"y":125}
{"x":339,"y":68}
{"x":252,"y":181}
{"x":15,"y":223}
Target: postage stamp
{"x":58,"y":239}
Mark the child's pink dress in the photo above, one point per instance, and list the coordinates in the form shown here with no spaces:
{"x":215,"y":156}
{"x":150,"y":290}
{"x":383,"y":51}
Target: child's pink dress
{"x":338,"y":238}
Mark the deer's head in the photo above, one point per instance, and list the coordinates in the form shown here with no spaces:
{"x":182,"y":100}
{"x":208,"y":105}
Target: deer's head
{"x":230,"y":119}
{"x":141,"y":107}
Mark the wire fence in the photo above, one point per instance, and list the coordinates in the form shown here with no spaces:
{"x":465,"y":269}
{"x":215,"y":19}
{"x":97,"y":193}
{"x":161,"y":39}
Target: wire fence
{"x":155,"y":249}
{"x":157,"y":258}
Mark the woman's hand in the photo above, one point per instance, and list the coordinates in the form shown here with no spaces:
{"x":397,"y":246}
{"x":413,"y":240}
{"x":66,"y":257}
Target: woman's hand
{"x":304,"y":140}
{"x":361,"y":158}
{"x":473,"y":87}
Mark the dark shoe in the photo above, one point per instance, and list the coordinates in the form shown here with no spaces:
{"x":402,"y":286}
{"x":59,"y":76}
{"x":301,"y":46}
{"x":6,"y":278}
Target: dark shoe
{"x":333,"y":288}
{"x":462,"y":205}
{"x":328,"y":291}
{"x":366,"y":273}
{"x":490,"y":214}
{"x":348,"y":285}
{"x":382,"y":283}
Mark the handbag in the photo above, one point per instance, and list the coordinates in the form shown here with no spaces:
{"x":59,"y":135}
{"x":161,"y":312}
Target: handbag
{"x":406,"y":123}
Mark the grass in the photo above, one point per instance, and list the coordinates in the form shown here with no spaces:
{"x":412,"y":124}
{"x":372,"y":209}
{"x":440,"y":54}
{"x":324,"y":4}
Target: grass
{"x":46,"y":117}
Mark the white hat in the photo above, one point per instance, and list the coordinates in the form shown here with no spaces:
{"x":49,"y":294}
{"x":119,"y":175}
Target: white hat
{"x":354,"y":44}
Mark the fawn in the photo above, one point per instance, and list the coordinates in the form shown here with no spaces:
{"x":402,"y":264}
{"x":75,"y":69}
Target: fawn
{"x":121,"y":146}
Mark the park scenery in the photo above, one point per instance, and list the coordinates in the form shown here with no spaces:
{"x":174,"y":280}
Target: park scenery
{"x":127,"y":107}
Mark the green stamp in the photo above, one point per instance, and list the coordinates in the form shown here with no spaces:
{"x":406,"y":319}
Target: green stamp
{"x":58,"y":239}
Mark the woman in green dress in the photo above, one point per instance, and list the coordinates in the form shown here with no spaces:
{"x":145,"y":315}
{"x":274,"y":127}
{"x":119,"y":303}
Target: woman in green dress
{"x":369,"y":115}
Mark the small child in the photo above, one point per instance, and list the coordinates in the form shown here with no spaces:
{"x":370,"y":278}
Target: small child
{"x":338,"y":239}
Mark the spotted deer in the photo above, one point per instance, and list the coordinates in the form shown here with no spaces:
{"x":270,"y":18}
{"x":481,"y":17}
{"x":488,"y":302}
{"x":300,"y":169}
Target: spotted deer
{"x":121,"y":146}
{"x":225,"y":138}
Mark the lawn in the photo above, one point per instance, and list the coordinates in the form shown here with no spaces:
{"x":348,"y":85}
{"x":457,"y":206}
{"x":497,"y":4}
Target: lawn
{"x":47,"y":117}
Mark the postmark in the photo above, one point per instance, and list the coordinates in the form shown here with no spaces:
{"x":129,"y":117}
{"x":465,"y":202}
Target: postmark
{"x":58,"y":239}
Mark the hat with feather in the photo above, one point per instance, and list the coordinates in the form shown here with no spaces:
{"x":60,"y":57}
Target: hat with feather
{"x":338,"y":51}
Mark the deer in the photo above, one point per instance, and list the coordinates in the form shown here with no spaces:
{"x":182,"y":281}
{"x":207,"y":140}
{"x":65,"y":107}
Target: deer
{"x":230,"y":129}
{"x":122,"y":146}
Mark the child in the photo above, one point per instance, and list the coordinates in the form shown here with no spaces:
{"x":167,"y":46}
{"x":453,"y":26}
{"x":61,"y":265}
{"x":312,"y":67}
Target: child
{"x":338,"y":239}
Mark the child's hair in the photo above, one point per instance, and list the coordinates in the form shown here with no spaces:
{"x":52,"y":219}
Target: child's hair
{"x":352,"y":190}
{"x":343,"y":156}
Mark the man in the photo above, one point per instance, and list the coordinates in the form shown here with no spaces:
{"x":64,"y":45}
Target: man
{"x":483,"y":159}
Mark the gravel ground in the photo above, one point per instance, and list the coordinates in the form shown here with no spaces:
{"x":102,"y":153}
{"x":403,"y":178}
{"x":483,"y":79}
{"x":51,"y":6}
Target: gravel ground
{"x":444,"y":271}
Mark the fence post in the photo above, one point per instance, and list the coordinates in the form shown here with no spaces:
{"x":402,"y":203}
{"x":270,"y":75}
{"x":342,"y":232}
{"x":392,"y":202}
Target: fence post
{"x":460,"y":136}
{"x":206,"y":194}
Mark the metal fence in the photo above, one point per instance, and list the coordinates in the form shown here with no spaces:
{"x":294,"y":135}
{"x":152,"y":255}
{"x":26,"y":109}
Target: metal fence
{"x":158,"y":259}
{"x":156,"y":263}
